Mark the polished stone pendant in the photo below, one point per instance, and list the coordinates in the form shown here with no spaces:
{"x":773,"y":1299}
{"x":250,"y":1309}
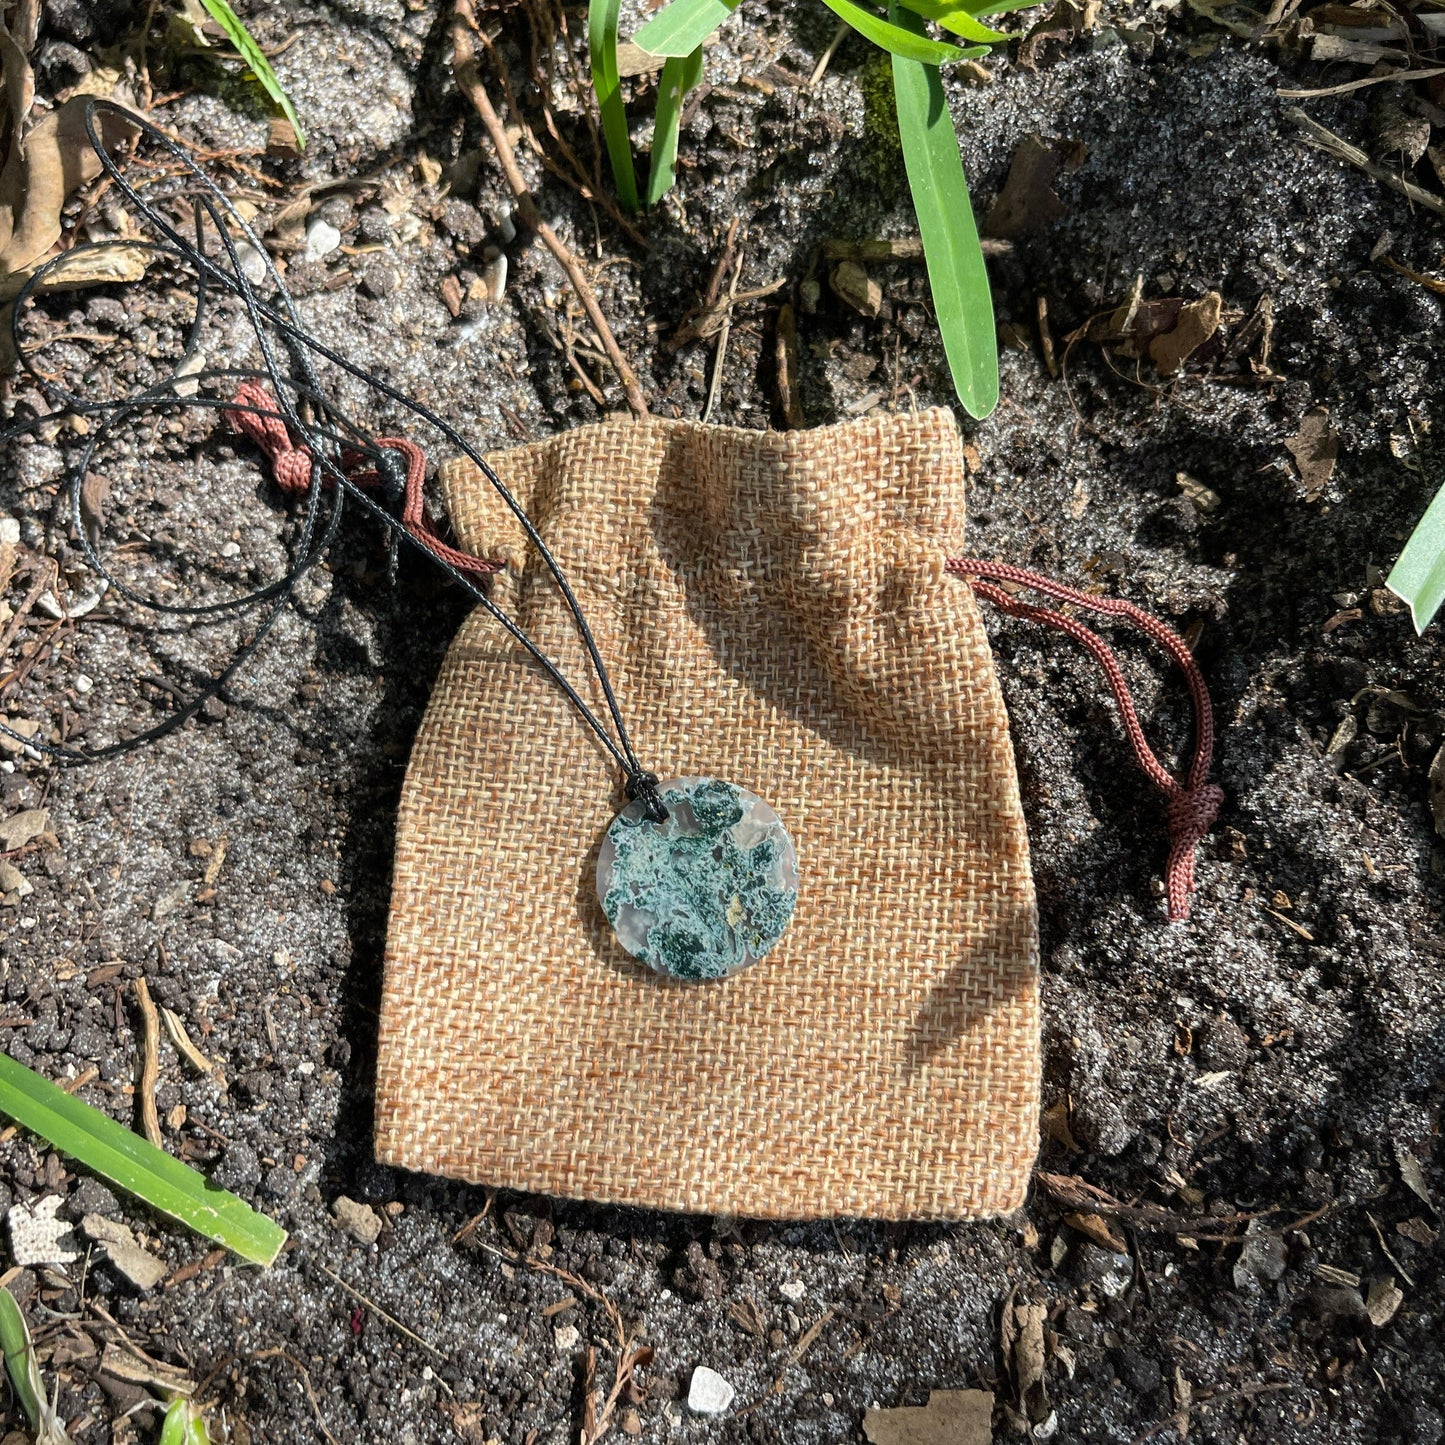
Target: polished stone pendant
{"x":706,"y":893}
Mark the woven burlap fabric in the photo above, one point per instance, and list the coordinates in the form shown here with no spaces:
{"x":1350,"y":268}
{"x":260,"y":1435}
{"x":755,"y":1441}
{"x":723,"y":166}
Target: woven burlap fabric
{"x":774,"y":611}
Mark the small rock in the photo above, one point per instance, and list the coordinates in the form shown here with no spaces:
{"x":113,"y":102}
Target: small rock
{"x":322,"y":238}
{"x":1109,"y":1273}
{"x":124,"y":1251}
{"x":566,"y":1337}
{"x":280,"y":1182}
{"x":375,"y":225}
{"x":463,"y":222}
{"x":21,"y":828}
{"x":38,"y":1237}
{"x":1223,"y":1045}
{"x":379,"y":280}
{"x":13,"y":883}
{"x":337,"y":211}
{"x":793,"y":1290}
{"x":252,"y":263}
{"x":240,"y":1168}
{"x":709,"y":1393}
{"x":90,"y":1196}
{"x":360,"y":1221}
{"x":1262,"y":1257}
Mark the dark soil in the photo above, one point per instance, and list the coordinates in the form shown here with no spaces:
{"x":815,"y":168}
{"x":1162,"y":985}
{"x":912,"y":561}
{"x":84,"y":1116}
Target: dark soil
{"x":1280,"y":1055}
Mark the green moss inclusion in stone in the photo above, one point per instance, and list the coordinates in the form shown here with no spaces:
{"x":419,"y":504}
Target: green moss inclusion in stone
{"x":708,"y":892}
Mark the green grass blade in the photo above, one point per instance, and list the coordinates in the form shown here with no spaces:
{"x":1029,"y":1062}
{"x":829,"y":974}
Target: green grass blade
{"x":678,"y":77}
{"x":956,"y":274}
{"x":1418,"y":578}
{"x":20,"y":1358}
{"x":900,"y":40}
{"x":255,"y":59}
{"x":115,"y":1153}
{"x":24,"y":1374}
{"x":602,"y":45}
{"x":184,"y":1424}
{"x":960,"y":19}
{"x":679,"y":29}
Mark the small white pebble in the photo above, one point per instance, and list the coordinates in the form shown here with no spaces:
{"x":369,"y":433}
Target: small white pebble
{"x":794,"y":1290}
{"x":9,"y":531}
{"x":252,"y":263}
{"x":231,"y":549}
{"x":566,"y":1336}
{"x":322,"y":238}
{"x":83,"y":682}
{"x":709,"y":1393}
{"x":507,"y":227}
{"x":828,"y":1399}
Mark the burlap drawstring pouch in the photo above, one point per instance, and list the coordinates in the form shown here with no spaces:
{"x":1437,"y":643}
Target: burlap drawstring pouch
{"x":776,"y":609}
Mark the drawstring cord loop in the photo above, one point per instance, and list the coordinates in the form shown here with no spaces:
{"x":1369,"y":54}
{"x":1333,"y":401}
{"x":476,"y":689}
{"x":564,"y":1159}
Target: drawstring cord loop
{"x":1191,"y":806}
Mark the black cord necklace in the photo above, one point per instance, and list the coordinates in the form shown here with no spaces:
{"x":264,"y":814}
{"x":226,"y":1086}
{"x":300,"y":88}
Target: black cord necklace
{"x":697,"y":876}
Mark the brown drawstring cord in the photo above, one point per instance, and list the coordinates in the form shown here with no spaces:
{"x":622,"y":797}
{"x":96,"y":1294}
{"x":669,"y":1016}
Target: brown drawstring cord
{"x":291,"y":466}
{"x":1192,"y":805}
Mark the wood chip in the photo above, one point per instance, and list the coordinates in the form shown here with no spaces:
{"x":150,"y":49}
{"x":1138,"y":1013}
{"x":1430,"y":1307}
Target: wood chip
{"x":951,"y":1417}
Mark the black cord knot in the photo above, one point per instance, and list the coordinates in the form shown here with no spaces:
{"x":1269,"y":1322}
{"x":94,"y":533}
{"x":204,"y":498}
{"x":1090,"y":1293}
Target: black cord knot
{"x":644,"y":788}
{"x":391,"y":472}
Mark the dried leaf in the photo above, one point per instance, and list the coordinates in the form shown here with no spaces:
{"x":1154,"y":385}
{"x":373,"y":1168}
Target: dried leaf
{"x":1066,"y":21}
{"x":1400,"y":128}
{"x":1436,"y":781}
{"x":1417,"y":1230}
{"x":1238,"y":19}
{"x":1414,"y":1176}
{"x":1055,"y":1121}
{"x":1091,"y":1226}
{"x":1197,"y":323}
{"x":1384,"y":1298}
{"x":55,"y":161}
{"x":951,"y":1417}
{"x":85,"y":266}
{"x":1027,"y":201}
{"x":19,"y":85}
{"x":1315,"y":448}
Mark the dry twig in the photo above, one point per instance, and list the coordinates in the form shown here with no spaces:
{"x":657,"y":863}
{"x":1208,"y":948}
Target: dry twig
{"x":469,"y":82}
{"x":1333,"y":145}
{"x":150,"y":1063}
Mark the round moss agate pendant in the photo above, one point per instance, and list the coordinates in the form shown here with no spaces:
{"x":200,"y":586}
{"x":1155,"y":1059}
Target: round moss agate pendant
{"x":708,"y":892}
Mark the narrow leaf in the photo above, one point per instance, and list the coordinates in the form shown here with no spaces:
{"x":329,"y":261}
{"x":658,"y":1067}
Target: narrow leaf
{"x":255,"y":59}
{"x":678,"y":77}
{"x":900,"y":40}
{"x":602,"y":45}
{"x":115,"y":1153}
{"x":960,"y":19}
{"x":19,"y":1358}
{"x":24,"y":1374}
{"x":956,"y":273}
{"x":679,"y":29}
{"x":1418,"y":578}
{"x":184,"y":1424}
